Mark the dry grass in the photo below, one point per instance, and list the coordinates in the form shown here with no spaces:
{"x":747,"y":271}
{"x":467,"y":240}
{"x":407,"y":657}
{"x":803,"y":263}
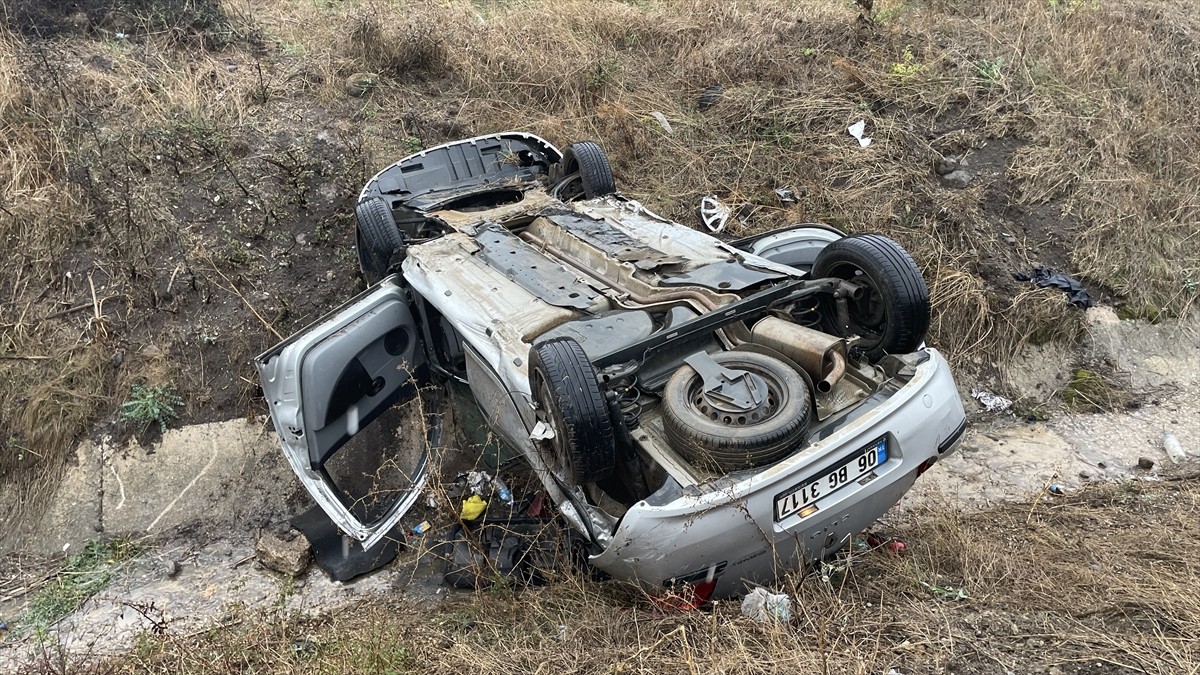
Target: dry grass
{"x":1103,"y":580}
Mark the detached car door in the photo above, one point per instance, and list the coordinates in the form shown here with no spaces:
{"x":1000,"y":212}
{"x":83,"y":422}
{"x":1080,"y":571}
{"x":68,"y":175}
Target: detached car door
{"x":327,"y":383}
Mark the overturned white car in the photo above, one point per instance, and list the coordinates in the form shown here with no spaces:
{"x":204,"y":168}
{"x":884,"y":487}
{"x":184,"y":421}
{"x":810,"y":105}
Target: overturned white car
{"x":703,"y":413}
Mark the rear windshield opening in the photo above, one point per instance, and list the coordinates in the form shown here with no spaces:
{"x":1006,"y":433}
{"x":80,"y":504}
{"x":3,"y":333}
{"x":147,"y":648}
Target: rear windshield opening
{"x":482,"y":201}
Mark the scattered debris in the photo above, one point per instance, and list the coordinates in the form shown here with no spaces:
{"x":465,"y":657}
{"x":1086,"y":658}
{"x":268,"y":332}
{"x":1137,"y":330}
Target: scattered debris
{"x":421,"y":527}
{"x":359,"y":84}
{"x":714,"y":213}
{"x":285,"y":551}
{"x":1046,"y":278}
{"x":662,"y":122}
{"x":710,"y":96}
{"x":502,"y":491}
{"x":171,"y":568}
{"x":1174,"y":449}
{"x":1057,"y":489}
{"x":786,"y":194}
{"x":1145,"y":463}
{"x":946,"y":592}
{"x":763,"y":605}
{"x":473,"y":508}
{"x":478,"y":482}
{"x":856,"y":130}
{"x":893,"y":546}
{"x":541,"y":432}
{"x":993,"y":403}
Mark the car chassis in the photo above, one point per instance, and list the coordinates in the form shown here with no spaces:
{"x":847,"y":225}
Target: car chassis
{"x":701,"y":412}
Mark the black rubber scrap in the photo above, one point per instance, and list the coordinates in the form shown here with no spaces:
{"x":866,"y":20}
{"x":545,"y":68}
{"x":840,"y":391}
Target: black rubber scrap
{"x":1048,"y":278}
{"x":710,"y":96}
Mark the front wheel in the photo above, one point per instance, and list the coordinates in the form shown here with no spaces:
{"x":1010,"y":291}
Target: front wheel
{"x":891,"y":315}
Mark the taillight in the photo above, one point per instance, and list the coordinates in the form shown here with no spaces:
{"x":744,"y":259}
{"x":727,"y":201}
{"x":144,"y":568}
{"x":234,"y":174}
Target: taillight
{"x":686,"y":596}
{"x":689,"y":591}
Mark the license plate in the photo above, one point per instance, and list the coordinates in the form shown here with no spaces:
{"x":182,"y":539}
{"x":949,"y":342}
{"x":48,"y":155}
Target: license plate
{"x":850,"y":469}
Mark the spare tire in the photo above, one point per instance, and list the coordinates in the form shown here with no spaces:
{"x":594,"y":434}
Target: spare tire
{"x":376,"y":238}
{"x":584,"y":173}
{"x":892,"y":316}
{"x":568,"y":397}
{"x":720,"y":441}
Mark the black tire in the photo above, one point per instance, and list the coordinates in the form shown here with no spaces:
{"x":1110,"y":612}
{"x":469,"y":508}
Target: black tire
{"x":595,"y":176}
{"x":892,"y":317}
{"x":568,"y":398}
{"x":719,"y":442}
{"x":377,"y":238}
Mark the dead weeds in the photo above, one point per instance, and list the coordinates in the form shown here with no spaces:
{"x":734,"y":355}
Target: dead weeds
{"x":1101,"y":581}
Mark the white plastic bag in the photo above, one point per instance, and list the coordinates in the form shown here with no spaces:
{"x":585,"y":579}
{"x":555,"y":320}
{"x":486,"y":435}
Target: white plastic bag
{"x":763,"y":605}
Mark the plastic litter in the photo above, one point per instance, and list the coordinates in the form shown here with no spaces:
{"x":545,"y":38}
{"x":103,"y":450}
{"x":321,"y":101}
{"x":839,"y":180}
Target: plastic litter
{"x":856,"y":130}
{"x":786,"y":194}
{"x":1173,"y":447}
{"x":1046,"y":278}
{"x":478,"y":481}
{"x":763,"y":605}
{"x":1056,"y":489}
{"x":541,"y":432}
{"x":662,"y":122}
{"x":502,"y":491}
{"x":422,"y":527}
{"x":473,"y":508}
{"x":993,"y":403}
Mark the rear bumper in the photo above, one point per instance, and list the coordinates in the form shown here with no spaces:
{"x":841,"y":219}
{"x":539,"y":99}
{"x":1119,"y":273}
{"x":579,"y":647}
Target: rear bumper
{"x":732,"y":531}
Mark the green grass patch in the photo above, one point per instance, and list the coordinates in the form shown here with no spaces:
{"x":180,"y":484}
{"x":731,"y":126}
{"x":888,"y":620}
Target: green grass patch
{"x":82,"y":576}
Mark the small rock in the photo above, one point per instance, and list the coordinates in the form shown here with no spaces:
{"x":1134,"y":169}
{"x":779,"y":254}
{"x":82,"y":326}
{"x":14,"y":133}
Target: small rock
{"x":957,"y":179}
{"x":284,"y":551}
{"x":172,"y":568}
{"x":1010,"y":239}
{"x":1145,"y":463}
{"x":1102,"y":465}
{"x":301,"y":239}
{"x":947,"y":165}
{"x":358,"y":84}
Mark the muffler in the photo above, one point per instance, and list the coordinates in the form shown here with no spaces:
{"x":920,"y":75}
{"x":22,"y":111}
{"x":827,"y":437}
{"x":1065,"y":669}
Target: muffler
{"x":821,"y":355}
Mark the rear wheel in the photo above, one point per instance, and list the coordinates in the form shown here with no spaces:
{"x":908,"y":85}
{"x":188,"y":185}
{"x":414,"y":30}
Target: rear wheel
{"x":721,"y":441}
{"x":583,"y":173}
{"x":376,"y":237}
{"x":892,"y":314}
{"x":569,"y":401}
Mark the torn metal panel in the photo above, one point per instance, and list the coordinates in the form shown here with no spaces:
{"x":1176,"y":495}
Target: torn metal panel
{"x":615,"y":243}
{"x":728,"y":275}
{"x":531,"y":270}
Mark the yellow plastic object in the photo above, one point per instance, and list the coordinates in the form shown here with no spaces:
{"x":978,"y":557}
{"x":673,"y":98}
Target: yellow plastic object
{"x":473,"y":508}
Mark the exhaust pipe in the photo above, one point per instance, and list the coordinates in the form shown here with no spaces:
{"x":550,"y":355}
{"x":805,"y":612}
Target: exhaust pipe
{"x":821,"y":355}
